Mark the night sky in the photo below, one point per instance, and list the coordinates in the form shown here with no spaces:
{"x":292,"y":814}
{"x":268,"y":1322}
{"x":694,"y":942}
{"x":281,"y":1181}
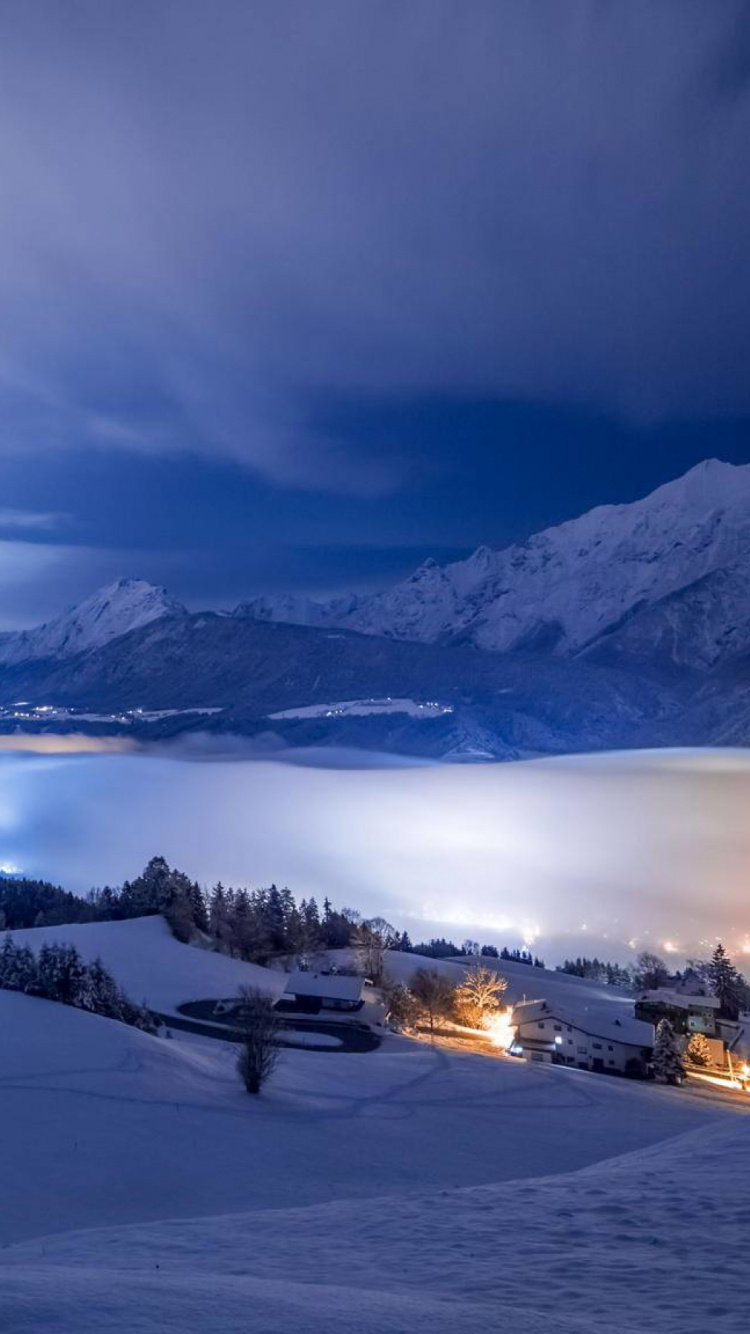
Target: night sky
{"x":295,"y":294}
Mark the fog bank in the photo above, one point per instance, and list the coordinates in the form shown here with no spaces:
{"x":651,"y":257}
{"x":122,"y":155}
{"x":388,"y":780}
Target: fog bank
{"x":588,"y":853}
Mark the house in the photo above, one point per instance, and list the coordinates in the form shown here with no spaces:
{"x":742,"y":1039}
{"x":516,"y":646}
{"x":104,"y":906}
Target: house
{"x":311,"y":992}
{"x":588,"y":1039}
{"x":687,"y":1013}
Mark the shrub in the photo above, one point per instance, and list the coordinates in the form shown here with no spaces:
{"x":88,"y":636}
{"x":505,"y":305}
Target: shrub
{"x":259,"y":1049}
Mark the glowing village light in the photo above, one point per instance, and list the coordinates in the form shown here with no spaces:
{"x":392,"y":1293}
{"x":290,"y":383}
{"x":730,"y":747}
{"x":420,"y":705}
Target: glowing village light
{"x":499,"y":1028}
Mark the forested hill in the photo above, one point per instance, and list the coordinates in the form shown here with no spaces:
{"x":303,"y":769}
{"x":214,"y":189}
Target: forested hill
{"x":26,"y":903}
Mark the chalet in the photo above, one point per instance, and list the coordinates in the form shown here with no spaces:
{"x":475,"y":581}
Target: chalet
{"x":586,"y":1039}
{"x":311,"y":992}
{"x":686,"y":1013}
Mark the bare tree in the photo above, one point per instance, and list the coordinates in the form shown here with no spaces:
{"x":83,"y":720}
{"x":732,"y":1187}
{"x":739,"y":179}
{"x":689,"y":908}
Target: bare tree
{"x":259,"y":1048}
{"x":433,"y":993}
{"x":650,"y":972}
{"x":371,"y":940}
{"x":479,"y":994}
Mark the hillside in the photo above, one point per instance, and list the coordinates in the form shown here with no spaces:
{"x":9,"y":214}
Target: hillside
{"x":500,"y":705}
{"x":138,"y":1176}
{"x":144,"y":957}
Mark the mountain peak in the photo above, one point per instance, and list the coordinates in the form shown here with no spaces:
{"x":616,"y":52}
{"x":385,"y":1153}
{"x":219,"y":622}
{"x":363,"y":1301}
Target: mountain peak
{"x":111,"y":611}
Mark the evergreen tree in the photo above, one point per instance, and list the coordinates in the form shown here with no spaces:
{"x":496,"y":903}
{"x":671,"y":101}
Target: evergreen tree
{"x":726,"y":983}
{"x":667,"y":1058}
{"x":402,"y":1009}
{"x":197,"y":900}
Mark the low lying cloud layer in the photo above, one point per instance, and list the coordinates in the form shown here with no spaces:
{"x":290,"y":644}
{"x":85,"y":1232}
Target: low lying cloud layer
{"x":213,"y":215}
{"x":591,"y":855}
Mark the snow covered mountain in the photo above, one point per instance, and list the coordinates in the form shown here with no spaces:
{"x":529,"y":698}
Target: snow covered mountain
{"x":125,"y":605}
{"x":667,"y":577}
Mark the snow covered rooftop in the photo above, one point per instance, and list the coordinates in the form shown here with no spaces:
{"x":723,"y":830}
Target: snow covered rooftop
{"x":333,"y":986}
{"x":596,"y":1021}
{"x":680,"y":1000}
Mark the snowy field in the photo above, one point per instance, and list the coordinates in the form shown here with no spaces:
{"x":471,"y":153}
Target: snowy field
{"x":144,"y":1192}
{"x":577,"y":856}
{"x":358,"y":1191}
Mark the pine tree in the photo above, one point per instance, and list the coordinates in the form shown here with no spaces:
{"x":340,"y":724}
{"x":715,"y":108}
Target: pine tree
{"x":401,"y":1007}
{"x":668,"y":1063}
{"x":726,"y":983}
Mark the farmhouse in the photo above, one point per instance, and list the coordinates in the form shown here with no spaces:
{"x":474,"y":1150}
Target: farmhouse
{"x":311,"y":992}
{"x":588,"y":1039}
{"x":686,"y":1013}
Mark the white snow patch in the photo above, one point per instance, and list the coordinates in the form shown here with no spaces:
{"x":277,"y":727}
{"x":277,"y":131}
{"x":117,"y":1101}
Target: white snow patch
{"x":363,"y":708}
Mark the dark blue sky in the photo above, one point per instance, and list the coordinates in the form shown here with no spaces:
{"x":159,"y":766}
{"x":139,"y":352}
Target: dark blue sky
{"x":292,"y":296}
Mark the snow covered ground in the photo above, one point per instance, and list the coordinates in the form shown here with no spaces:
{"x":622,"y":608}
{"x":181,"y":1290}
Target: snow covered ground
{"x":358,"y":1191}
{"x":363,"y":708}
{"x":144,"y":1192}
{"x":654,"y":1241}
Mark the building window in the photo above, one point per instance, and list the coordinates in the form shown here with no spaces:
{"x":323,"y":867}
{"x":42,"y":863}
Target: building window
{"x":541,"y":1024}
{"x":610,"y":1047}
{"x":558,"y":1028}
{"x":597,"y":1046}
{"x":582,"y":1051}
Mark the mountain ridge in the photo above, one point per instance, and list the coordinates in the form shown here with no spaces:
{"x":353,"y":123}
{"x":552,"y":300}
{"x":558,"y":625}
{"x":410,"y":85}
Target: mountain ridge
{"x":569,"y":588}
{"x":629,"y":626}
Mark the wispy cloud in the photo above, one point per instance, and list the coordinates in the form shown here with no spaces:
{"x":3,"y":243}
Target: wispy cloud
{"x":29,"y":520}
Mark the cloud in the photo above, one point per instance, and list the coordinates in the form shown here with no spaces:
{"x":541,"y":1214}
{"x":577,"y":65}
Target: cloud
{"x":215,"y":215}
{"x":29,"y":520}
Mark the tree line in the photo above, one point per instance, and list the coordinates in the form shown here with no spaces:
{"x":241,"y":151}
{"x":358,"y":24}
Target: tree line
{"x":58,"y":973}
{"x":253,"y":925}
{"x":717,"y":975}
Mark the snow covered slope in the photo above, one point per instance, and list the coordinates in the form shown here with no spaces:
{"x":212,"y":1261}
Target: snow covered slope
{"x":673,"y":568}
{"x":144,"y":957}
{"x":101,"y":1124}
{"x":107,"y":614}
{"x":143,"y":1190}
{"x":653,"y":1243}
